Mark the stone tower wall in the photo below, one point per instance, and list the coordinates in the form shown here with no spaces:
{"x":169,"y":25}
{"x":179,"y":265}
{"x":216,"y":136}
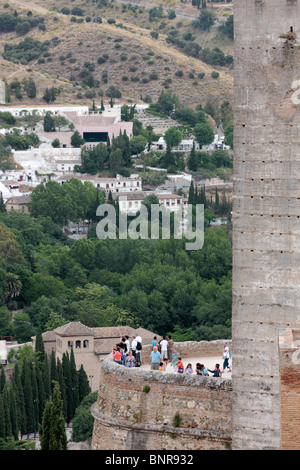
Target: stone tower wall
{"x":266,"y":211}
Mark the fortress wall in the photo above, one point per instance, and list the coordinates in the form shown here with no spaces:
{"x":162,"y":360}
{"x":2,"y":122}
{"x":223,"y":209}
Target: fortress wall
{"x":128,"y":418}
{"x":2,"y":92}
{"x":266,"y":212}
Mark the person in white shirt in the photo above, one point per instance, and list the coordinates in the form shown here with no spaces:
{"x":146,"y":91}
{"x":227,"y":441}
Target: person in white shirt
{"x":133,"y":345}
{"x":226,"y":357}
{"x":127,"y":344}
{"x":138,"y":354}
{"x":164,"y":348}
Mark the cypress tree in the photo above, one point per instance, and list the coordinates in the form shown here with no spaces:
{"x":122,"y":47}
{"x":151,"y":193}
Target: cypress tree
{"x":46,"y":377}
{"x":191,"y":198}
{"x":21,"y":414}
{"x":127,"y":150}
{"x":13,"y":413}
{"x":62,"y":387}
{"x":39,"y":347}
{"x":53,"y":370}
{"x":217,"y":201}
{"x":197,"y":197}
{"x":202,"y":197}
{"x":68,"y":385}
{"x":6,"y":414}
{"x":28,"y":396}
{"x":2,"y":419}
{"x":169,"y":159}
{"x":41,"y":394}
{"x":2,"y":379}
{"x":192,"y":163}
{"x":57,"y":435}
{"x":44,"y":429}
{"x":83,"y":384}
{"x":108,"y":146}
{"x":2,"y":203}
{"x":34,"y":396}
{"x":74,"y":379}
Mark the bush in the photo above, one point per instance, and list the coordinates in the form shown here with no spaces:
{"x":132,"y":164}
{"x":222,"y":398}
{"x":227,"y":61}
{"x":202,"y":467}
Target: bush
{"x":76,"y":11}
{"x":65,"y":11}
{"x":26,"y":51}
{"x":113,"y":92}
{"x":215,"y":74}
{"x":153,"y":76}
{"x":83,"y":422}
{"x":101,"y":60}
{"x":177,"y":420}
{"x":22,"y":28}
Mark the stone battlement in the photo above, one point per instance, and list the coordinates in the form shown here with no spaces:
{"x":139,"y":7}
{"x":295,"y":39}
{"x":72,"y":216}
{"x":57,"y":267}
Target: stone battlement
{"x":151,"y":410}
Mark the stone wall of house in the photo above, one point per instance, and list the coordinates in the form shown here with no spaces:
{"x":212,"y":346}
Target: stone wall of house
{"x":137,"y":408}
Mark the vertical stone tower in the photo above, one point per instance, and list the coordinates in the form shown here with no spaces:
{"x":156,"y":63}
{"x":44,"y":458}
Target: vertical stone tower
{"x":266,"y":211}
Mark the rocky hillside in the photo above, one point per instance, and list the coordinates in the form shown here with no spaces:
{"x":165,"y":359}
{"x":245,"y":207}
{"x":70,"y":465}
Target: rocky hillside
{"x":128,"y":51}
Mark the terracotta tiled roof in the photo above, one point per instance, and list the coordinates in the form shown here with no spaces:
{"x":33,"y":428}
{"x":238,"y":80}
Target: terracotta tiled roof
{"x":25,"y":199}
{"x":74,"y":329}
{"x":135,"y":196}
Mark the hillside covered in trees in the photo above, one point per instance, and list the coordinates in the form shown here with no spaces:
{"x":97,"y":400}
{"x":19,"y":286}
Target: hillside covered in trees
{"x":48,"y":279}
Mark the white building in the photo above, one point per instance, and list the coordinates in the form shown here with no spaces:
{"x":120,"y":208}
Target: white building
{"x":170,"y":201}
{"x":130,"y":203}
{"x":42,"y":110}
{"x":67,"y":165}
{"x":120,"y":184}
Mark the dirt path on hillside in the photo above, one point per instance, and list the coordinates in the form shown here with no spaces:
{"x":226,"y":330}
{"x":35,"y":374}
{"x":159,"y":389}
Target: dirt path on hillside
{"x":30,"y":5}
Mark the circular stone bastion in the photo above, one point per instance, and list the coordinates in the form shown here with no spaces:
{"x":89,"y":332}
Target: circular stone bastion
{"x":142,"y":409}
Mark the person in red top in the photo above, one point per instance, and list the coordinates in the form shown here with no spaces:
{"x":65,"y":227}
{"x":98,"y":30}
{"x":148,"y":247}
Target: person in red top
{"x":117,"y":355}
{"x":180,"y":366}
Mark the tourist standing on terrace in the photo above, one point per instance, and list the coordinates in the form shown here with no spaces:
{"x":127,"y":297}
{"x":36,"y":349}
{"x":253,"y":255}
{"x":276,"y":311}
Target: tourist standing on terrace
{"x":117,"y":354}
{"x":164,"y":347}
{"x":130,"y":360}
{"x":155,"y":358}
{"x":226,"y":357}
{"x":170,"y":348}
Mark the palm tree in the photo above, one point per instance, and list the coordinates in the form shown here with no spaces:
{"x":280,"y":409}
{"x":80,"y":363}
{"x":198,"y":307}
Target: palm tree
{"x":13,"y":285}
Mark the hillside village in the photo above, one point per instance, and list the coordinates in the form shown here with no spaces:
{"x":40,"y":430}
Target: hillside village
{"x":39,"y":164}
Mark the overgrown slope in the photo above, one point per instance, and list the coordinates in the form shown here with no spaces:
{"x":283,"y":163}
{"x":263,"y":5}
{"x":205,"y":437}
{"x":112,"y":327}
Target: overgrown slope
{"x":120,"y":51}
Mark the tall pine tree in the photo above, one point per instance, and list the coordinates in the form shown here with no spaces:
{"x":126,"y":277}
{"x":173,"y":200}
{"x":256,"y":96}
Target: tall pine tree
{"x":192,"y":162}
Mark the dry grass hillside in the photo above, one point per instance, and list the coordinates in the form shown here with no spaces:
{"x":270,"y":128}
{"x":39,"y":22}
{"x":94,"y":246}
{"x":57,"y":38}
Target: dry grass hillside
{"x":122,"y":54}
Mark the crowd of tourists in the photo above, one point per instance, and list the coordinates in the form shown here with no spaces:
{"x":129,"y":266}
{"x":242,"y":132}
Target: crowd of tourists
{"x":163,"y":353}
{"x":126,"y":354}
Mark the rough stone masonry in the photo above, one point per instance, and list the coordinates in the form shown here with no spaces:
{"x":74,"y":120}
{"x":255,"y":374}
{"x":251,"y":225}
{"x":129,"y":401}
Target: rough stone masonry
{"x":2,"y":92}
{"x":266,"y":211}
